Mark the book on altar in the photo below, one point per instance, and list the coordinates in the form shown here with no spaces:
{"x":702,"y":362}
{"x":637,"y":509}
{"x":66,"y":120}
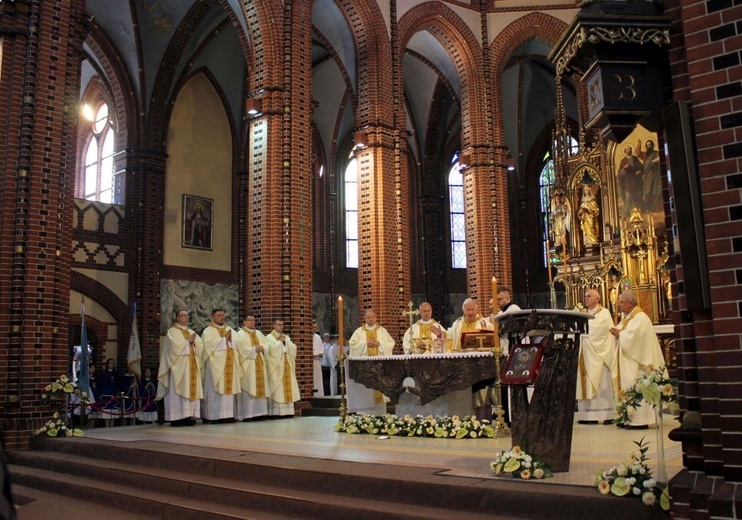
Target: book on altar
{"x":478,"y":340}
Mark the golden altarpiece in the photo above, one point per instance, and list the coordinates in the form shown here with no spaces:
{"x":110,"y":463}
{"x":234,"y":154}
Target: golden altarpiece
{"x":606,"y":222}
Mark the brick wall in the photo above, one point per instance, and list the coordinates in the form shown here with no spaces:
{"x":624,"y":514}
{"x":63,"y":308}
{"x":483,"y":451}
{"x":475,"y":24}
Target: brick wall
{"x":707,"y":72}
{"x":41,"y":53}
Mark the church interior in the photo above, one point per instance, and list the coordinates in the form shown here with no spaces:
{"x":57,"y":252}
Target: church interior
{"x":269,"y":157}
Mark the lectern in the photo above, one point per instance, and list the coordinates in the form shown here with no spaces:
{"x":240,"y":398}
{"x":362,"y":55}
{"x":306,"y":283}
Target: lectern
{"x":543,"y":425}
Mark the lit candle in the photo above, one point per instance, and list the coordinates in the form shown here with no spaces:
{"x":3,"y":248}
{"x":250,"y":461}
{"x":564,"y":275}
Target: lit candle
{"x":340,"y":326}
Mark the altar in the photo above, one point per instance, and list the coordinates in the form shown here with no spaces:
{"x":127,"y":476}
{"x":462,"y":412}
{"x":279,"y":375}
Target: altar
{"x":418,"y":384}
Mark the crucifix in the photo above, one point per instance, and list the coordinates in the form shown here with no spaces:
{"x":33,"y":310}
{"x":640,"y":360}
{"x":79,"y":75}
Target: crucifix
{"x":410,"y":313}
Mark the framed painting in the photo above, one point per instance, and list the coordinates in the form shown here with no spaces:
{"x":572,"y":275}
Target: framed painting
{"x":198,"y":222}
{"x":522,"y":365}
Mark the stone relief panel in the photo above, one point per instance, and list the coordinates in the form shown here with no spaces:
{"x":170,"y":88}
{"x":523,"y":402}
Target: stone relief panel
{"x":199,"y":299}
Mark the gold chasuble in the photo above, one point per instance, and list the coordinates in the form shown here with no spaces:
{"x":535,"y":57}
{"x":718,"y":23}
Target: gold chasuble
{"x":229,"y":364}
{"x":259,"y":365}
{"x":192,"y":367}
{"x":471,"y":326}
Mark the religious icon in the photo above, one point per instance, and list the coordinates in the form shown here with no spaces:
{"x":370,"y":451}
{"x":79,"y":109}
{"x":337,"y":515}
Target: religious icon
{"x":522,"y":365}
{"x":198,"y":216}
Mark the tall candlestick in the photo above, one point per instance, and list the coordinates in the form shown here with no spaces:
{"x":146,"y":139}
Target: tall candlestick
{"x":495,"y":306}
{"x":340,"y":326}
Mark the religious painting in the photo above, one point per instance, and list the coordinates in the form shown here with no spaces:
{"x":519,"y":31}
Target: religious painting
{"x":522,"y":365}
{"x":638,"y":175}
{"x":198,"y":218}
{"x":479,"y":340}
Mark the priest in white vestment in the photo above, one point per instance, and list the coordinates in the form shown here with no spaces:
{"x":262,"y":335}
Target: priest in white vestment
{"x":368,"y":340}
{"x":595,"y":399}
{"x":280,"y":355}
{"x":221,"y":369}
{"x":318,"y":352}
{"x":423,"y":332}
{"x":638,"y":350}
{"x":252,"y":401}
{"x":471,"y":321}
{"x":179,"y":376}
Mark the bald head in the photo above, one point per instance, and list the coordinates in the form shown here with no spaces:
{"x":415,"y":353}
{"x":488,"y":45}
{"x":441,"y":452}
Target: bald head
{"x":592,"y":299}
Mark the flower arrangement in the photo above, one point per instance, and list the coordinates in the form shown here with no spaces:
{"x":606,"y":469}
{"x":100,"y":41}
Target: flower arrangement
{"x":62,"y":391}
{"x":57,"y":390}
{"x":652,"y":386}
{"x":633,"y":478}
{"x":520,"y":464}
{"x":57,"y":427}
{"x":468,"y":427}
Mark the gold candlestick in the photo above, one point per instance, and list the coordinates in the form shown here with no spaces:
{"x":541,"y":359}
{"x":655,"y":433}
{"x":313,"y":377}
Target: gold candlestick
{"x":341,"y":360}
{"x":500,"y":426}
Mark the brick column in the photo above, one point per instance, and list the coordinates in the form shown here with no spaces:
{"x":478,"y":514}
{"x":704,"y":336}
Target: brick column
{"x":145,"y":196}
{"x":39,"y":85}
{"x":279,"y":212}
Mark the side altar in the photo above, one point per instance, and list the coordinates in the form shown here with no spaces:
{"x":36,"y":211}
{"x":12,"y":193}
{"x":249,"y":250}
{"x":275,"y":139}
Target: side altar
{"x":438,"y":384}
{"x":543,"y":425}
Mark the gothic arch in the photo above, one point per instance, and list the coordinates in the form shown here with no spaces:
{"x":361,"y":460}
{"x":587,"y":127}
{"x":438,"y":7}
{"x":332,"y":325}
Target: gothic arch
{"x":533,"y":25}
{"x":373,"y":53}
{"x":463,"y":49}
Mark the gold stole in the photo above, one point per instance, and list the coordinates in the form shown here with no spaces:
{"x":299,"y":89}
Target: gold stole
{"x":583,"y":368}
{"x":192,"y":365}
{"x":373,"y":351}
{"x":259,"y":372}
{"x":371,"y":336}
{"x":625,"y":321}
{"x":229,"y":366}
{"x":286,"y":380}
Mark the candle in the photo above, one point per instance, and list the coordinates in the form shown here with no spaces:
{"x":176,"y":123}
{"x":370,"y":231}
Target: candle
{"x":340,"y":326}
{"x":495,"y":307}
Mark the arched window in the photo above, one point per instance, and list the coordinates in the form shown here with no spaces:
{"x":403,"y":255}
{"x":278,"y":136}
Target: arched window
{"x":351,"y":214}
{"x":98,"y":174}
{"x":545,"y":182}
{"x":456,"y":210}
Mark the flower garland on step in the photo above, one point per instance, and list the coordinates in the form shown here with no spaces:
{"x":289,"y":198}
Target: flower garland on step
{"x":520,"y":464}
{"x":468,"y":427}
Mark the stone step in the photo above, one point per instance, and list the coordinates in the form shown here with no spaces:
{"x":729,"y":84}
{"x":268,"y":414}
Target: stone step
{"x":325,"y":402}
{"x":196,"y":496}
{"x":321,"y":412}
{"x":192,"y":482}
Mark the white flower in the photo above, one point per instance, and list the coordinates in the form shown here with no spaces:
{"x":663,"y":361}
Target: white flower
{"x":636,"y":491}
{"x":622,"y":470}
{"x":649,"y":483}
{"x":648,"y":498}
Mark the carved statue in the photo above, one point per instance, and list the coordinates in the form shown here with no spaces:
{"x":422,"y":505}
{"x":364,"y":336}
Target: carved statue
{"x":561,"y":218}
{"x":588,"y":215}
